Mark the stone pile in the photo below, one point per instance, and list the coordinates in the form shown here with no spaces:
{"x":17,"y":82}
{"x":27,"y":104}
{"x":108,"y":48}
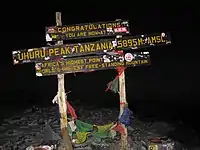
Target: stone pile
{"x":41,"y":126}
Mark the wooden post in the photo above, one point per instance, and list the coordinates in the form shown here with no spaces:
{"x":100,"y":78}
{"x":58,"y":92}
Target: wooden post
{"x":62,"y":100}
{"x":123,"y":103}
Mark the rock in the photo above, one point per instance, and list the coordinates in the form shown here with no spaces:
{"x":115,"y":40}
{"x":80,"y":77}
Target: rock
{"x":22,"y":135}
{"x":30,"y":148}
{"x":28,"y":111}
{"x":49,"y":134}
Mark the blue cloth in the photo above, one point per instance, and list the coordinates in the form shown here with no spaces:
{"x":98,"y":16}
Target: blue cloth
{"x":58,"y":112}
{"x":126,"y":117}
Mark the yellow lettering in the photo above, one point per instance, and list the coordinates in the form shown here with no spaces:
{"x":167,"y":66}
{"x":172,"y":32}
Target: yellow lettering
{"x":81,"y":34}
{"x":145,"y":61}
{"x":20,"y":56}
{"x":82,"y":50}
{"x":70,"y":35}
{"x":137,"y":62}
{"x":87,"y":47}
{"x":75,"y":62}
{"x":99,"y":26}
{"x":149,"y":40}
{"x":140,"y":41}
{"x":130,"y":43}
{"x":135,"y":43}
{"x":67,"y":69}
{"x":73,"y":28}
{"x":115,"y":64}
{"x":103,"y":65}
{"x":94,"y":26}
{"x":94,"y":33}
{"x":98,"y":47}
{"x":67,"y":50}
{"x":77,"y":28}
{"x":162,"y":40}
{"x":104,"y":26}
{"x":153,"y":39}
{"x":46,"y":71}
{"x":86,"y":27}
{"x":125,"y":44}
{"x":110,"y":45}
{"x":42,"y":53}
{"x":56,"y":51}
{"x":62,"y":51}
{"x":95,"y":60}
{"x":104,"y":46}
{"x":114,"y":25}
{"x":75,"y":48}
{"x":158,"y":39}
{"x":59,"y":29}
{"x":90,"y":26}
{"x":37,"y":54}
{"x":119,"y":44}
{"x":92,"y":66}
{"x":92,"y":47}
{"x":53,"y":70}
{"x":31,"y":55}
{"x":26,"y":56}
{"x":51,"y":51}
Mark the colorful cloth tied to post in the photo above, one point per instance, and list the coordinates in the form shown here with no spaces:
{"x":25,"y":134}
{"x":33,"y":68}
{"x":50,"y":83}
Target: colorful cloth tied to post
{"x":114,"y":85}
{"x":81,"y":137}
{"x":126,"y":117}
{"x":82,"y":130}
{"x":83,"y":127}
{"x":70,"y":109}
{"x":103,"y":131}
{"x":119,"y":128}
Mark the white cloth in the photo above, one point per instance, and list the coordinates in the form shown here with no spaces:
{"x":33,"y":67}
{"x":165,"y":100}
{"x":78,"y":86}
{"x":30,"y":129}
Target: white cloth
{"x":72,"y":125}
{"x":55,"y":99}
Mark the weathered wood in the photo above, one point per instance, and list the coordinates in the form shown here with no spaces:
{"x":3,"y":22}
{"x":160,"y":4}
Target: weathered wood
{"x":123,"y":103}
{"x":62,"y":100}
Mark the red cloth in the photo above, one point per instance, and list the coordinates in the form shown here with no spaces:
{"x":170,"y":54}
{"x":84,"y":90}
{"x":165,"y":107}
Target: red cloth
{"x":71,"y":110}
{"x":119,"y":71}
{"x":119,"y":128}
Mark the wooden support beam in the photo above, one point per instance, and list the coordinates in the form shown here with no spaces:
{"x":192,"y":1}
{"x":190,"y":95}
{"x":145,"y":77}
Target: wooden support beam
{"x":62,"y":100}
{"x":123,"y":103}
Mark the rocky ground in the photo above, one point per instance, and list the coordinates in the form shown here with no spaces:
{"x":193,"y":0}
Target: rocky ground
{"x":28,"y":128}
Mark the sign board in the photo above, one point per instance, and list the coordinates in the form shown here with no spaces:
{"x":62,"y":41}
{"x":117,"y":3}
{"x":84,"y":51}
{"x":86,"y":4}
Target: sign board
{"x":87,"y":30}
{"x":91,"y":63}
{"x":80,"y":49}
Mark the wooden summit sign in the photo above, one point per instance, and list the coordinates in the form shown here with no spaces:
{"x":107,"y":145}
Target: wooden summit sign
{"x":91,"y":63}
{"x":80,"y":49}
{"x":87,"y":30}
{"x":55,"y":60}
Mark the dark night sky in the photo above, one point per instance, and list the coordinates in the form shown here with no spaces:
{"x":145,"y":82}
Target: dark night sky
{"x":173,"y":74}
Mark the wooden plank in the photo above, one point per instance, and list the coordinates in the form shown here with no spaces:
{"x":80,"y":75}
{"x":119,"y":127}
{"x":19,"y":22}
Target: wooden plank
{"x":92,"y":63}
{"x":87,"y":30}
{"x":80,"y":49}
{"x":123,"y":104}
{"x":62,"y":100}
